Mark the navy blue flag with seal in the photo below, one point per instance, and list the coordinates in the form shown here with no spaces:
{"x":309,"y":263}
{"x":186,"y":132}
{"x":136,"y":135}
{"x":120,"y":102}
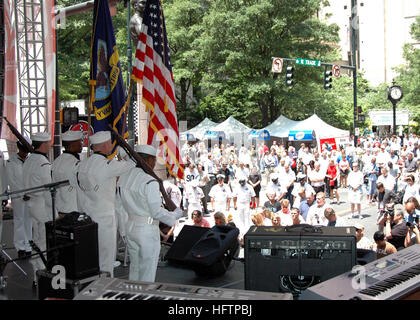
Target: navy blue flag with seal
{"x":109,"y":101}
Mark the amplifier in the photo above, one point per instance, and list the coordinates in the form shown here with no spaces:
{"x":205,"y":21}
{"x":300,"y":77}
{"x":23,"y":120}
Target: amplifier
{"x":291,"y":259}
{"x":78,"y":248}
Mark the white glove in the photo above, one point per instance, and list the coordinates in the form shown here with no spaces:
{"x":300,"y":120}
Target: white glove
{"x":178,"y":213}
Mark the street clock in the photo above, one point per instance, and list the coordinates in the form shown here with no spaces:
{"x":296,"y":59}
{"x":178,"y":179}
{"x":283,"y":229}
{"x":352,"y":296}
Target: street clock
{"x":395,"y":93}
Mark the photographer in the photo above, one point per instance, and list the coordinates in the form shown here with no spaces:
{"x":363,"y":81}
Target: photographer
{"x":385,"y":199}
{"x":396,"y":228}
{"x":412,"y":236}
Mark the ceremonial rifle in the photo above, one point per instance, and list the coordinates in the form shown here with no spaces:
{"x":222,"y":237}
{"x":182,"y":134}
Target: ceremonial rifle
{"x":18,"y":135}
{"x":140,"y":161}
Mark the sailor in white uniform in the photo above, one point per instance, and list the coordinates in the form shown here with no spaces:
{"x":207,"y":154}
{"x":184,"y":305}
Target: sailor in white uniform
{"x":36,"y":173}
{"x":220,"y":195}
{"x":63,"y":168}
{"x":22,"y":221}
{"x":243,"y":195}
{"x":141,"y":200}
{"x":97,"y":180}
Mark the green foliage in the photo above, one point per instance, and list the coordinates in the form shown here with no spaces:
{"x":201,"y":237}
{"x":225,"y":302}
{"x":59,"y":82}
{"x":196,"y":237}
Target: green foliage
{"x":221,"y":52}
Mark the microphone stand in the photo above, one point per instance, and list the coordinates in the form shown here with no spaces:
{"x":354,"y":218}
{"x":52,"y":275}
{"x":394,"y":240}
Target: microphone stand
{"x":52,"y":188}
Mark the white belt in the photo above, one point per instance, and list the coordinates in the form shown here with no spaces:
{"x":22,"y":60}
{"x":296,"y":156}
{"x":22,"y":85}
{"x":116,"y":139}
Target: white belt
{"x":144,"y":220}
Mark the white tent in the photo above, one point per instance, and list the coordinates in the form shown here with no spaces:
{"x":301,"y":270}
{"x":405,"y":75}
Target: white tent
{"x":235,"y":131}
{"x":321,"y":128}
{"x":281,"y":127}
{"x":199,"y":130}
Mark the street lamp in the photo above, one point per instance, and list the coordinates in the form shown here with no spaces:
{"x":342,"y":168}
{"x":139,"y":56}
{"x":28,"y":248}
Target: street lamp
{"x":394,"y":94}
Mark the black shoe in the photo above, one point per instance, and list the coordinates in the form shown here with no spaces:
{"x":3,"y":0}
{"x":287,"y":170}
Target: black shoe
{"x":21,"y":254}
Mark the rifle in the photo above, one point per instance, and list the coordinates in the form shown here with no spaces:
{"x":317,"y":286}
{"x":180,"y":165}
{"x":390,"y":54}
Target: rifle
{"x":140,"y":161}
{"x":17,"y":134}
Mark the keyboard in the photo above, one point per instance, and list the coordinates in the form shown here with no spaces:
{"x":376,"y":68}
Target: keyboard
{"x":390,"y":278}
{"x":120,"y":289}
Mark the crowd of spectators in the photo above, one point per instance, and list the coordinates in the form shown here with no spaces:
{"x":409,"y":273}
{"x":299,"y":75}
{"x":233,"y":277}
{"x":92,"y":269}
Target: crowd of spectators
{"x":297,"y":182}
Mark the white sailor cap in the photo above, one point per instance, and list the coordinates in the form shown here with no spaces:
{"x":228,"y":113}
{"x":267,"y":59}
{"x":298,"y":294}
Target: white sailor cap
{"x":41,"y":136}
{"x":146,"y":149}
{"x":100,"y":137}
{"x":71,"y":135}
{"x":220,"y":176}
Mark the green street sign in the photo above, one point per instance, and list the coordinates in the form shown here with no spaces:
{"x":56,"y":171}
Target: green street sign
{"x":307,"y":62}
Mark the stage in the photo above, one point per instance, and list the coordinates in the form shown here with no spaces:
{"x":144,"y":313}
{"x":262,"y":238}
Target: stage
{"x":19,"y":286}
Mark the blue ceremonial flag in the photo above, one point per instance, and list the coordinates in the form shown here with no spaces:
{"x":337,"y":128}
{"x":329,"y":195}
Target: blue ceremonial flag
{"x":109,"y":97}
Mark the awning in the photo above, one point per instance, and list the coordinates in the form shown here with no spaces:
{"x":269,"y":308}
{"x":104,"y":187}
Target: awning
{"x":259,"y":134}
{"x":302,"y":135}
{"x":209,"y":134}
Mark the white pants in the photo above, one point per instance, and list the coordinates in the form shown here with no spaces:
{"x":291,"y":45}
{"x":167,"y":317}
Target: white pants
{"x":143,"y":242}
{"x":220,"y":206}
{"x":192,"y":207}
{"x":22,"y":225}
{"x":107,"y":242}
{"x":40,"y":213}
{"x":243,"y":215}
{"x":40,"y":239}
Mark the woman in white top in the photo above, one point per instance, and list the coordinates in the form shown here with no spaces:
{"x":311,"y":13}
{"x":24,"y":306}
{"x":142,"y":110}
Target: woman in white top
{"x":412,"y":189}
{"x":355,"y":183}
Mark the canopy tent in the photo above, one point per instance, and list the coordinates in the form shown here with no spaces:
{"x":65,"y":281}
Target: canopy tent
{"x":324,"y":133}
{"x":234,"y":130}
{"x":199,"y":130}
{"x":281,"y":127}
{"x":321,"y":128}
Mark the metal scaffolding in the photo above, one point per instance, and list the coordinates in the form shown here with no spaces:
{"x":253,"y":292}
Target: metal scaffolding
{"x":32,"y":78}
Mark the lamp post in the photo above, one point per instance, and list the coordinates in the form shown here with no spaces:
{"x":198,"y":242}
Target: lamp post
{"x":394,"y":94}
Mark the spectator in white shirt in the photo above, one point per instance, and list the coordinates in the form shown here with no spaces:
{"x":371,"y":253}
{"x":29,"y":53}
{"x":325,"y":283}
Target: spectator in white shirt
{"x":316,"y":212}
{"x":387,"y":180}
{"x":317,"y":178}
{"x":355,"y":193}
{"x":331,"y":218}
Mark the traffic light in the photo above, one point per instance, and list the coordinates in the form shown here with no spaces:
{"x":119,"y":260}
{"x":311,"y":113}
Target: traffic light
{"x":289,"y":76}
{"x":327,"y":80}
{"x":359,"y":109}
{"x":69,"y":116}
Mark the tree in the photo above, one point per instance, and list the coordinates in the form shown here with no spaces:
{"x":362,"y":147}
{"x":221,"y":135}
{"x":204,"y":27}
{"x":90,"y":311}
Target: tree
{"x":238,"y":40}
{"x":73,"y":50}
{"x":409,"y":75}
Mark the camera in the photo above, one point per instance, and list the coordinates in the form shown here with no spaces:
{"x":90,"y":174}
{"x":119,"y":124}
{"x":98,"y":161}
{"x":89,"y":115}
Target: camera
{"x":411,"y":224}
{"x":389,"y":211}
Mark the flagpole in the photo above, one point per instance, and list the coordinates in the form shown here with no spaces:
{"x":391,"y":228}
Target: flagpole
{"x":92,"y":85}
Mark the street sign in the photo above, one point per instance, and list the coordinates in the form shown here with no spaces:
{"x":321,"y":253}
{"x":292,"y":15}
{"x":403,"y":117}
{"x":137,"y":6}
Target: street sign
{"x":307,"y":62}
{"x":356,"y":131}
{"x":277,"y":65}
{"x":336,"y":71}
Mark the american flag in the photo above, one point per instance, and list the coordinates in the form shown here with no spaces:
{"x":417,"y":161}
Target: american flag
{"x":152,"y":67}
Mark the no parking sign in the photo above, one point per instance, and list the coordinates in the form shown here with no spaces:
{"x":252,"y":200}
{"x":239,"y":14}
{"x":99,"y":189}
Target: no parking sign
{"x":336,"y":71}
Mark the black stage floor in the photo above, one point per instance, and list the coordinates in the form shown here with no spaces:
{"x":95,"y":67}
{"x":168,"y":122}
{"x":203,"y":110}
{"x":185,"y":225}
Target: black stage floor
{"x":19,"y":286}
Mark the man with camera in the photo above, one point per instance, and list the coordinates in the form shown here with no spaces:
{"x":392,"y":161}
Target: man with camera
{"x":384,"y":197}
{"x":412,"y":220}
{"x":395,"y":227}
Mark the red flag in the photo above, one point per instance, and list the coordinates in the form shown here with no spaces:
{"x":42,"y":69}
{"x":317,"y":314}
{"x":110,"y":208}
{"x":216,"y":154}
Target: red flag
{"x":152,"y":68}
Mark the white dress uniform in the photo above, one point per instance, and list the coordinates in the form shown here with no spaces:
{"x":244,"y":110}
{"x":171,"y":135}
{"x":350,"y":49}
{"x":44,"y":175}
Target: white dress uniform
{"x":96,"y":194}
{"x":193,"y":194}
{"x":63,"y":168}
{"x":37,"y":172}
{"x":243,"y":195}
{"x":141,"y":200}
{"x":220,"y":194}
{"x":22,"y":221}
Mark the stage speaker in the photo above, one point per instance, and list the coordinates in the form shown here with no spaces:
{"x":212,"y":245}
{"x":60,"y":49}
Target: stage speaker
{"x":77,"y":242}
{"x":291,"y":259}
{"x":183,"y":243}
{"x":213,"y":252}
